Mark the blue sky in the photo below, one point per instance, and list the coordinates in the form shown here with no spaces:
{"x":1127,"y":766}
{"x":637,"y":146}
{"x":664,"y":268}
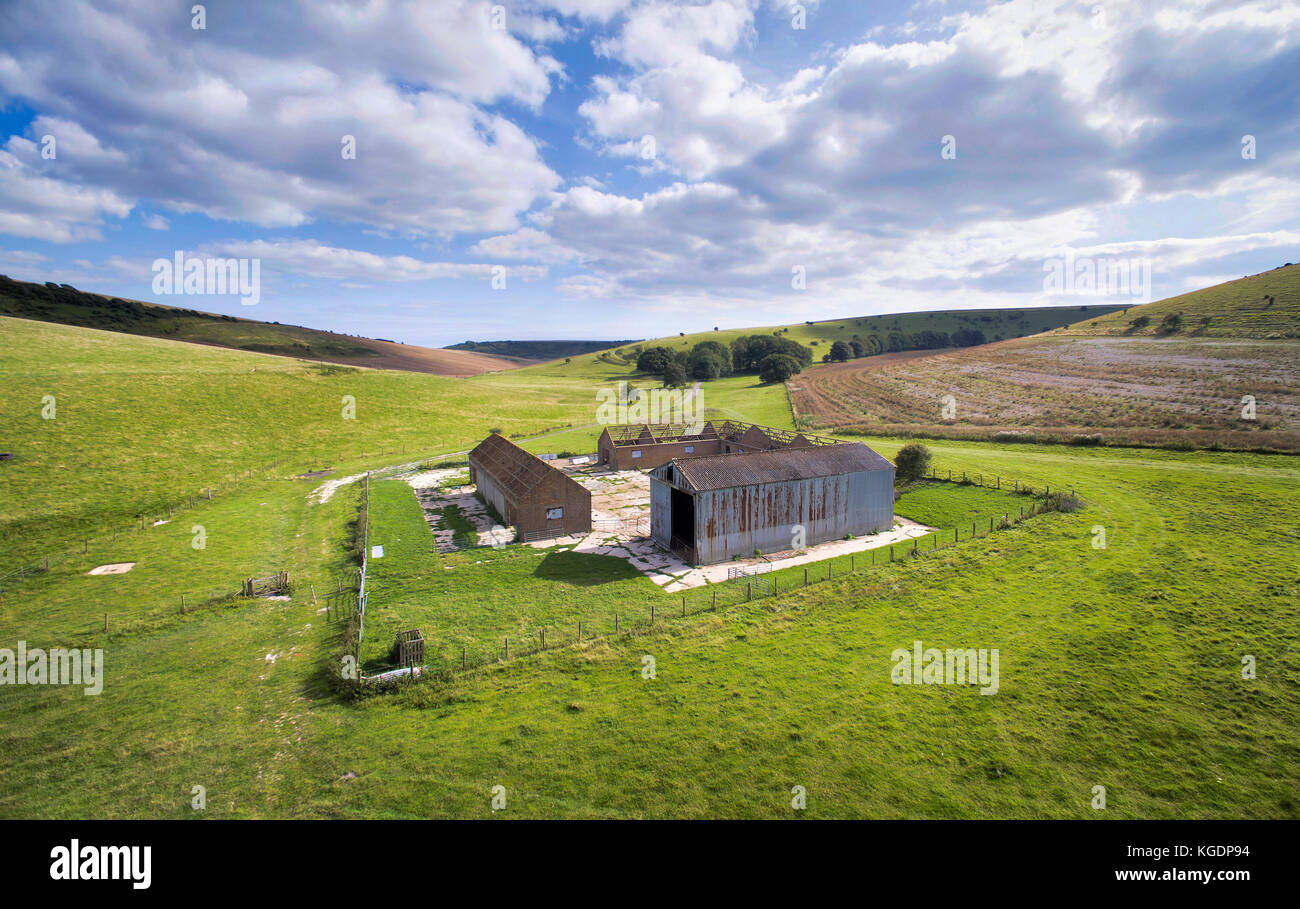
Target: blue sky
{"x":643,"y":168}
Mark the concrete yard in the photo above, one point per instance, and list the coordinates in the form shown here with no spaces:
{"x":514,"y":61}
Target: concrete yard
{"x":620,"y":513}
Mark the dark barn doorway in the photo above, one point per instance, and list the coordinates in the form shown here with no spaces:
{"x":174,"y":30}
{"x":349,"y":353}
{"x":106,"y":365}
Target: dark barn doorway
{"x":682,"y":507}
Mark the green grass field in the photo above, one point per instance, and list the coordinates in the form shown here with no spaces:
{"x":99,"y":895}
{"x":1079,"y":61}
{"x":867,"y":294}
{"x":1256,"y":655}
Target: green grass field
{"x":1120,"y":665}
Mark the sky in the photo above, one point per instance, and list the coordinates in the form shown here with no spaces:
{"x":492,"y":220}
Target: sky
{"x":612,"y":169}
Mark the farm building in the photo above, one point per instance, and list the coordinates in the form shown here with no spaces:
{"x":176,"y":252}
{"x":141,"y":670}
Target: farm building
{"x":539,"y":500}
{"x":709,"y":509}
{"x":645,"y":446}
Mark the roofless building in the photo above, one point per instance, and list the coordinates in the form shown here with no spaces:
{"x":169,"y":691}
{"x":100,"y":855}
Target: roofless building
{"x":539,"y":500}
{"x":647,"y":445}
{"x":711,"y":508}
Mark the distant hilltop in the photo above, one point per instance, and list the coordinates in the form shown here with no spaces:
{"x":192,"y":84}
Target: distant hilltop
{"x":537,"y":350}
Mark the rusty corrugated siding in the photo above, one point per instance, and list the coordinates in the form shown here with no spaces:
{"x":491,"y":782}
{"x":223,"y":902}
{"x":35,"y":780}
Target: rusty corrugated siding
{"x":740,"y":519}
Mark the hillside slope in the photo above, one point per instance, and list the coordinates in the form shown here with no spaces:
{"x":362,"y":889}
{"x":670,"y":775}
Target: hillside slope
{"x":1101,"y":379}
{"x":995,"y":324}
{"x":536,"y":350}
{"x":1266,"y":305}
{"x":66,"y":305}
{"x":140,"y":422}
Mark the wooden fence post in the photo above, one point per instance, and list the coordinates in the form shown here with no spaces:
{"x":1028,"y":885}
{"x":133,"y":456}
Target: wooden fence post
{"x":106,"y":623}
{"x":805,"y":577}
{"x":182,"y":604}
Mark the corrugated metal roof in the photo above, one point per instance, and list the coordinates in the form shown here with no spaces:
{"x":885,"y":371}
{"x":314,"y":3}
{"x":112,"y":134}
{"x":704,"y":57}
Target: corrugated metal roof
{"x":516,"y":471}
{"x":782,"y":465}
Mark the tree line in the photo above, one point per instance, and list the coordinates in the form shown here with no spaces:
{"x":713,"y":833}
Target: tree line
{"x":771,"y":358}
{"x":775,"y":359}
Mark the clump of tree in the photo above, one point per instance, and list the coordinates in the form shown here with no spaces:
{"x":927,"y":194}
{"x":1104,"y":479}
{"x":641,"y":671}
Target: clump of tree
{"x":653,"y":360}
{"x":777,"y":368}
{"x":708,"y":360}
{"x":749,"y":351}
{"x":912,"y":462}
{"x":674,"y":375}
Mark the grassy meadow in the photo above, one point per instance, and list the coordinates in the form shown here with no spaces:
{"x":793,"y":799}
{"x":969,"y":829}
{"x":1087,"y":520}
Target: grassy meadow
{"x":1119,"y":666}
{"x":1121,"y":663}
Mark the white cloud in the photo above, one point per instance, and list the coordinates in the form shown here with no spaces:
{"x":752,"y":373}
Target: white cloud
{"x":246,"y":122}
{"x":318,"y":260}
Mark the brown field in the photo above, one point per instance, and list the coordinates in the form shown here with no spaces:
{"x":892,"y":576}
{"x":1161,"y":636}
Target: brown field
{"x":440,"y":362}
{"x":1128,"y":390}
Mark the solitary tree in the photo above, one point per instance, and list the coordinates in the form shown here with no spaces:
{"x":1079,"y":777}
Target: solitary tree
{"x":912,"y":462}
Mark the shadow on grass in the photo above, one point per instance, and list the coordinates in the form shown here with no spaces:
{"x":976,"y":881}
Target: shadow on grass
{"x":584,"y":569}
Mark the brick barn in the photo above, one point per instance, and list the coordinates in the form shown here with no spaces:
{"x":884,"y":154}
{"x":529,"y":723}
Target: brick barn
{"x":710,"y":509}
{"x":539,"y":500}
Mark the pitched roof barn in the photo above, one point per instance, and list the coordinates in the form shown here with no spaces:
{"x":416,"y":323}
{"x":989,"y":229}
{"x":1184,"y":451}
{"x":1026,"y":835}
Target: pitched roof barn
{"x":709,"y":509}
{"x":529,"y":493}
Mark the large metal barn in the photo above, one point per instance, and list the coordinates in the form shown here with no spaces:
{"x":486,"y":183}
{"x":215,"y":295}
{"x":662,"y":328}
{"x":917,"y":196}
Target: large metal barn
{"x":710,"y":509}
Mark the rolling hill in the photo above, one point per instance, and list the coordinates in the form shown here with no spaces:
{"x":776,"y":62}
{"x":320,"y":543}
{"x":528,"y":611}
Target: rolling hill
{"x":536,"y":350}
{"x":1102,"y":380}
{"x":1266,"y":305}
{"x":66,"y":305}
{"x":995,"y":324}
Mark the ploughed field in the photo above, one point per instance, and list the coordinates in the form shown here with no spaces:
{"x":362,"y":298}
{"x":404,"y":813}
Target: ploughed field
{"x":1143,"y":390}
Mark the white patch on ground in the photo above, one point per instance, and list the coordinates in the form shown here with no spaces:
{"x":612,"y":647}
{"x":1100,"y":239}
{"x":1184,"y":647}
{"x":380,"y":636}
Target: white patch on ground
{"x":324,"y":492}
{"x":115,"y":568}
{"x":433,"y":499}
